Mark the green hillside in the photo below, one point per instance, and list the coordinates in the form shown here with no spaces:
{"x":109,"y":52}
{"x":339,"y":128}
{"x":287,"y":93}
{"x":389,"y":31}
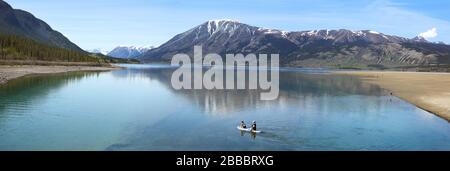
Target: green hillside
{"x":18,"y":48}
{"x":22,"y":23}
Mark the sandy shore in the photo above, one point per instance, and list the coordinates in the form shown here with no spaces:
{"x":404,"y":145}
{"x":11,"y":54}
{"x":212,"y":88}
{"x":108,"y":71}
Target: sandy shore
{"x":429,"y":91}
{"x":12,"y":72}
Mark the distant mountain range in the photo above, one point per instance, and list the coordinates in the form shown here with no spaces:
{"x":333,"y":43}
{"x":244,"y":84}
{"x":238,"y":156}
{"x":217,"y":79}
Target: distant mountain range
{"x":313,"y":48}
{"x":24,"y":24}
{"x":303,"y":48}
{"x":98,"y":50}
{"x":128,"y":51}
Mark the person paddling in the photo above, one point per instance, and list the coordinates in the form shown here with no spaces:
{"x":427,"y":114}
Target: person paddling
{"x":243,"y":125}
{"x":254,"y":126}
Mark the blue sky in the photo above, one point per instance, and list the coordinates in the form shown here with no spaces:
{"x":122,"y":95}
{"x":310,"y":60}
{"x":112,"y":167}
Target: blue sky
{"x":108,"y":23}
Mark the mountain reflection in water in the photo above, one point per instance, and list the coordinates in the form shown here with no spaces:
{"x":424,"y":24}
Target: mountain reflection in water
{"x":295,"y":88}
{"x":137,"y":109}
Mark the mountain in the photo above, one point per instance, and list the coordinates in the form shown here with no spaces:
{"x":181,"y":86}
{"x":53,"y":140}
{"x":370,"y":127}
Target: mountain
{"x":24,"y":24}
{"x":303,"y":48}
{"x":98,"y":50}
{"x":128,"y":51}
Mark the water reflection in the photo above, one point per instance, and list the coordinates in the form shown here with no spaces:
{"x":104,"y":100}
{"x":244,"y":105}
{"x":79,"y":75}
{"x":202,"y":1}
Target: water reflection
{"x":252,"y":135}
{"x":295,"y":87}
{"x":23,"y":93}
{"x":137,"y":109}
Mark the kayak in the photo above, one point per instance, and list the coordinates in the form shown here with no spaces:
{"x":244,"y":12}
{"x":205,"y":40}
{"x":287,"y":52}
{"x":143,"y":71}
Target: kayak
{"x":247,"y":129}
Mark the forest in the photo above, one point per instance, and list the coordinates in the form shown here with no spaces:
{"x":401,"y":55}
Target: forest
{"x":14,"y":47}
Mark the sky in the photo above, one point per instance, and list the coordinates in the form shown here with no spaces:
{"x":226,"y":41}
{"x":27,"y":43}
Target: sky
{"x":105,"y":24}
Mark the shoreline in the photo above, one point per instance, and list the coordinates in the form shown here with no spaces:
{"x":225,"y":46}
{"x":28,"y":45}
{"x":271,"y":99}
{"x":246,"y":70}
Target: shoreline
{"x":427,"y":90}
{"x":8,"y":72}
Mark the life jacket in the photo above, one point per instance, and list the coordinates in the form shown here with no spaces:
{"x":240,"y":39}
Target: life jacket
{"x":254,"y":127}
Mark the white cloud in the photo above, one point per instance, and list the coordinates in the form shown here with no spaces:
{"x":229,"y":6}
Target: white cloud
{"x":431,"y":33}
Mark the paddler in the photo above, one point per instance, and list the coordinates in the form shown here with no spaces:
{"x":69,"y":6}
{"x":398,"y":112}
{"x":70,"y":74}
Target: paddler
{"x":254,"y":126}
{"x":243,"y":125}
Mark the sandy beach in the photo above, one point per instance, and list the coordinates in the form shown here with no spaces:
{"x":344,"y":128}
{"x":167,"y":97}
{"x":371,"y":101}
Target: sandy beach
{"x":429,"y":91}
{"x":11,"y":72}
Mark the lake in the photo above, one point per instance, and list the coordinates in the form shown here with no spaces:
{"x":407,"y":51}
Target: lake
{"x":137,"y":109}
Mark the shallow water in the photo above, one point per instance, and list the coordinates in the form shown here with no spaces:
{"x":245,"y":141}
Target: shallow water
{"x":137,"y":109}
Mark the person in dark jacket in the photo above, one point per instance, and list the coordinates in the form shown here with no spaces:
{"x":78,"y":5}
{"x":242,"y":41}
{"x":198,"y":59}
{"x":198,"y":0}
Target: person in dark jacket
{"x":243,"y":125}
{"x":254,"y":126}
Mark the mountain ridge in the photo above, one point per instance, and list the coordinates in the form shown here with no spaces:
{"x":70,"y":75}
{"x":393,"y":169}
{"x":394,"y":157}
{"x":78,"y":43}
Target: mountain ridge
{"x":122,"y":51}
{"x":22,"y":23}
{"x":328,"y":47}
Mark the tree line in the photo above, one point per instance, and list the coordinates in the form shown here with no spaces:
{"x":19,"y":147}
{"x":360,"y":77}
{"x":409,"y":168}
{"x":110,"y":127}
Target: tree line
{"x":13,"y":47}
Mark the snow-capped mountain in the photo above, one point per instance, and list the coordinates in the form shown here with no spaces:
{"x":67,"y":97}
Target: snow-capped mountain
{"x":302,"y":48}
{"x":98,"y":50}
{"x":128,"y":51}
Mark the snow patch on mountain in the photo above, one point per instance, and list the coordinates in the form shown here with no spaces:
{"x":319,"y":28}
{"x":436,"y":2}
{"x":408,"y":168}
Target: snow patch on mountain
{"x":373,"y":32}
{"x":223,"y":25}
{"x":129,"y":51}
{"x":98,"y":50}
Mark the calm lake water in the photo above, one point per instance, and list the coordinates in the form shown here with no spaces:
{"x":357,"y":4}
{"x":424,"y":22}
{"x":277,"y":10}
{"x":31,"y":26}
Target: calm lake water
{"x":137,"y":109}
